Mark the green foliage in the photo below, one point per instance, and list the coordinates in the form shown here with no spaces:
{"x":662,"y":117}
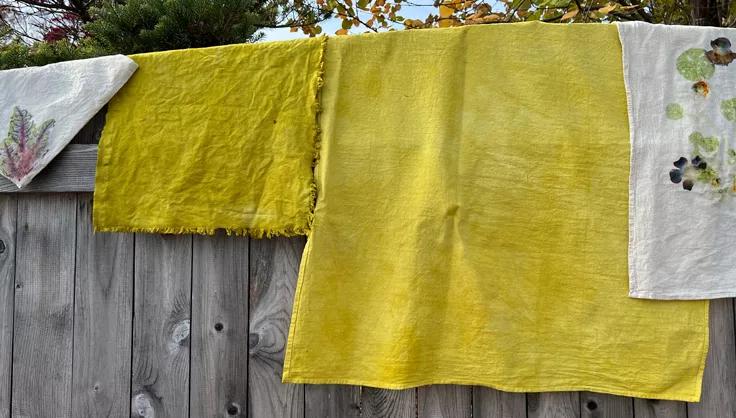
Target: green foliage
{"x":134,"y":26}
{"x":156,"y":25}
{"x":694,"y":65}
{"x":17,"y":54}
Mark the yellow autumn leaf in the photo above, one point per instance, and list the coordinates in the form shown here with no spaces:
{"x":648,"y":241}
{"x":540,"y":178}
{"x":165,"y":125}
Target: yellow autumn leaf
{"x":341,"y":32}
{"x":570,"y":14}
{"x":607,"y":9}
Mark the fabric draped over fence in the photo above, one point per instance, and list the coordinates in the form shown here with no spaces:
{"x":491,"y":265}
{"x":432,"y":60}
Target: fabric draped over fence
{"x":471,"y":221}
{"x":220,"y":137}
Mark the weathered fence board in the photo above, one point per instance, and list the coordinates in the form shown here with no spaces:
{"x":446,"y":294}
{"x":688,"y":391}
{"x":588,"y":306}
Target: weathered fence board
{"x":597,"y":405}
{"x":44,"y":306}
{"x":274,"y":268}
{"x":73,"y":170}
{"x":491,"y":403}
{"x":161,"y":327}
{"x":652,"y":408}
{"x":332,"y":401}
{"x":445,"y":401}
{"x":8,"y":211}
{"x":103,"y":315}
{"x":219,"y":340}
{"x":553,"y":405}
{"x":719,"y":380}
{"x":382,"y":403}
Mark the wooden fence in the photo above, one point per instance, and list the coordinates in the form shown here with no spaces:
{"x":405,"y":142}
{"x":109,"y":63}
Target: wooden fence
{"x":117,"y":325}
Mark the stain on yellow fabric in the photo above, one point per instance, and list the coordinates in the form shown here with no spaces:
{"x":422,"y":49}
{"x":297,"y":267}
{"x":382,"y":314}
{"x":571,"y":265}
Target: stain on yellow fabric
{"x":471,"y":221}
{"x":210,"y":138}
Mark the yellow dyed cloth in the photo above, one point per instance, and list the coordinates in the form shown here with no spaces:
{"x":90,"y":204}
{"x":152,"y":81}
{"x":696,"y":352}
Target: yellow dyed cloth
{"x":471,"y":221}
{"x":221,"y":137}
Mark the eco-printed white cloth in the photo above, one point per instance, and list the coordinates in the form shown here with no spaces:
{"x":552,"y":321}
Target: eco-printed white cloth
{"x":44,"y":107}
{"x":681,"y":87}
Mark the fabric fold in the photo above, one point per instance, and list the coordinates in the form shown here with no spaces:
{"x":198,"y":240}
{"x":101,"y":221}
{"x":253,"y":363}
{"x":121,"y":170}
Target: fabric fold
{"x":213,"y":138}
{"x":471,"y":221}
{"x":46,"y":106}
{"x":681,"y":84}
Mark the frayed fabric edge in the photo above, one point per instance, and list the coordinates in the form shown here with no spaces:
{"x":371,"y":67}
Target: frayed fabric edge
{"x":317,"y":141}
{"x":289,"y":231}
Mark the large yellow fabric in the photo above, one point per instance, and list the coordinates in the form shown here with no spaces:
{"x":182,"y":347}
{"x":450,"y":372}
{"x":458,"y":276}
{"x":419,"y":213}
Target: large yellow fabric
{"x":222,"y":137}
{"x":471,"y":221}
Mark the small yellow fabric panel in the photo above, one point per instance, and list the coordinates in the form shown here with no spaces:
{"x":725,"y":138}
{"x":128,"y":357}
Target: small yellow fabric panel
{"x":221,"y":137}
{"x":471,"y":221}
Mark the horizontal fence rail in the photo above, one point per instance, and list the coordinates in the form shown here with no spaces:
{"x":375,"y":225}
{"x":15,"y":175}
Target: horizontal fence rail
{"x":73,"y":170}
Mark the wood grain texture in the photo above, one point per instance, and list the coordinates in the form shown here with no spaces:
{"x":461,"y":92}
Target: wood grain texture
{"x":273,"y":277}
{"x":332,"y":401}
{"x":73,"y":170}
{"x":718,"y":398}
{"x":219,"y":327}
{"x":8,"y":212}
{"x":161,"y":326}
{"x":598,"y":405}
{"x":553,"y":405}
{"x":383,"y":403}
{"x":43,"y":326}
{"x":103,"y":319}
{"x":491,"y":403}
{"x":652,"y":408}
{"x":445,"y":401}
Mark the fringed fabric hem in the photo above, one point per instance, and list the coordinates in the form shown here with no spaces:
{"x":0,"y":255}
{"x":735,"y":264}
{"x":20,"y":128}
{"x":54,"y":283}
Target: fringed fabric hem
{"x":313,"y":188}
{"x":289,"y":231}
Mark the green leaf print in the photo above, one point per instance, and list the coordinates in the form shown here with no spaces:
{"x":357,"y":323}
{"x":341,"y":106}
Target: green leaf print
{"x":694,"y":65}
{"x":674,"y":111}
{"x":710,"y":176}
{"x":704,"y":145}
{"x":728,"y":107}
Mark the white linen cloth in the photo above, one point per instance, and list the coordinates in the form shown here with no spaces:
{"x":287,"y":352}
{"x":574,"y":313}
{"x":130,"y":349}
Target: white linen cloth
{"x":681,"y":88}
{"x":44,"y":107}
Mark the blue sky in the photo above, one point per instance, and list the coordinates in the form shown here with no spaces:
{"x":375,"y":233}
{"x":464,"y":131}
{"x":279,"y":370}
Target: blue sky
{"x":330,"y":26}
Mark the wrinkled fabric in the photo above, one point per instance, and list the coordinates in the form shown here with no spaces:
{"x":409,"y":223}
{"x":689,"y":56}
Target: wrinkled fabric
{"x":213,"y":138}
{"x":471,"y":221}
{"x":44,"y":108}
{"x":681,"y":83}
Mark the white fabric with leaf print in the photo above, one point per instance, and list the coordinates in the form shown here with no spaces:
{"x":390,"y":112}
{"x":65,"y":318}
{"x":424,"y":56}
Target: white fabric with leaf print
{"x":681,"y":87}
{"x":44,"y":107}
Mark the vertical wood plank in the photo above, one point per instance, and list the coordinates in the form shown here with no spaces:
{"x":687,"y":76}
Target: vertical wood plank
{"x":719,"y":381}
{"x":445,"y":401}
{"x":274,"y":270}
{"x":652,"y":408}
{"x":553,"y":405}
{"x":161,"y":326}
{"x":383,"y":403}
{"x":43,"y":327}
{"x":491,"y":403}
{"x":8,"y":212}
{"x":103,"y":319}
{"x":597,"y":405}
{"x":219,"y":327}
{"x":332,"y":401}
